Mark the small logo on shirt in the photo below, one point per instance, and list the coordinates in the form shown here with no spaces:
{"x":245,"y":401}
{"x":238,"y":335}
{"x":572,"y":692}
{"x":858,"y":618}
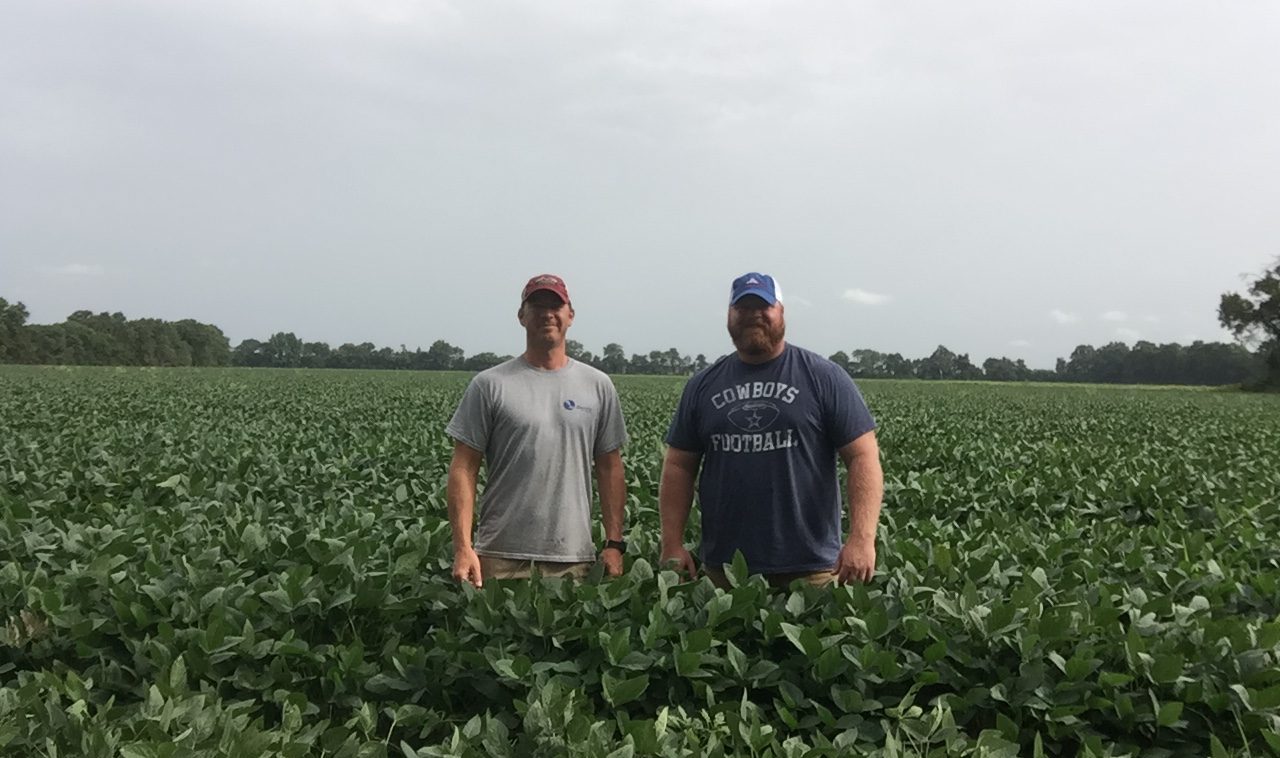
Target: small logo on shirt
{"x":570,"y":405}
{"x":754,"y":416}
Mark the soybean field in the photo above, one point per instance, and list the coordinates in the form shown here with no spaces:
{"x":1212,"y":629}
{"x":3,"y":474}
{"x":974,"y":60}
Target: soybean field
{"x":254,"y":562}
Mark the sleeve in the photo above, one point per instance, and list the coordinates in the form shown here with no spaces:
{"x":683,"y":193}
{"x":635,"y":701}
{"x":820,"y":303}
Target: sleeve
{"x":611,"y":431}
{"x":683,"y":432}
{"x":844,"y":411}
{"x":471,"y":422}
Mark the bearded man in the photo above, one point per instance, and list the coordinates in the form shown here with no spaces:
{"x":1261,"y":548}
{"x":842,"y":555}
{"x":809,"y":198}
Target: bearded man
{"x":759,"y":432}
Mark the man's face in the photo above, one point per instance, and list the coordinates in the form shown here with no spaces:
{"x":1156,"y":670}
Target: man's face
{"x":756,"y":327}
{"x":545,"y":318}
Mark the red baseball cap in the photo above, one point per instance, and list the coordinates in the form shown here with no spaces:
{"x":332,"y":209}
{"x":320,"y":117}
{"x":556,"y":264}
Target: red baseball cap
{"x":548,"y":282}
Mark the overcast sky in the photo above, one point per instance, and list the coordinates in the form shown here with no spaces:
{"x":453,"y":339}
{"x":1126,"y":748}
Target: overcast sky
{"x":1008,"y":178}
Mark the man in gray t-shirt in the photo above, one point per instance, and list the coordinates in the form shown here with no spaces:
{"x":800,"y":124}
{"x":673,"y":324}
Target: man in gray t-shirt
{"x":539,"y":422}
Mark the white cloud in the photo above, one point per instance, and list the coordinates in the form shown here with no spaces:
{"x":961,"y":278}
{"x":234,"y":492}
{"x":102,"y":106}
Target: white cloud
{"x":1062,"y":317}
{"x":862,"y":297}
{"x":1128,"y":335}
{"x":77,"y":269}
{"x":1020,"y":343}
{"x":1115,"y":316}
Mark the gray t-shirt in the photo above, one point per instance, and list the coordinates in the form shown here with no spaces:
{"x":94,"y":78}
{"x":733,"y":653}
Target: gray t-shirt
{"x":539,"y":431}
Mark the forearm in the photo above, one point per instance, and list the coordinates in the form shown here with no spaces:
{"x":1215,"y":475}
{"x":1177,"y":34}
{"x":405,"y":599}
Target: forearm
{"x":865,"y":492}
{"x":613,"y":497}
{"x":675,"y":500}
{"x":460,"y":493}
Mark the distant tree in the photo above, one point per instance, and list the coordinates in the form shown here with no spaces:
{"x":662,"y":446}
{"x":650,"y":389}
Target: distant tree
{"x":864,"y":363}
{"x":613,"y":360}
{"x":579,"y":353}
{"x":442,"y":356}
{"x":14,"y":347}
{"x":941,"y":364}
{"x":1255,"y":319}
{"x":248,"y":353}
{"x":676,"y":363}
{"x":384,"y":358}
{"x":965,"y":368}
{"x":316,"y":354}
{"x":1109,"y":363}
{"x":1005,"y":370}
{"x":657,"y":362}
{"x":284,"y":350}
{"x":699,"y":363}
{"x":840,"y":358}
{"x":361,"y":355}
{"x":207,"y":343}
{"x":897,"y":367}
{"x":482,"y":361}
{"x":1082,"y":365}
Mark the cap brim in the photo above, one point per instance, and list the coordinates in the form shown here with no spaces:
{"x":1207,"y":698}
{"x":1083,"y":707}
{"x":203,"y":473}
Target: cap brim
{"x":562,"y":295}
{"x":764,"y":295}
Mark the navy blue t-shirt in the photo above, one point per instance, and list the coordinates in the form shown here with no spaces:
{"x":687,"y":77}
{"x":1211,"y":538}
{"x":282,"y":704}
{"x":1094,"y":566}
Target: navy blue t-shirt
{"x":768,"y":434}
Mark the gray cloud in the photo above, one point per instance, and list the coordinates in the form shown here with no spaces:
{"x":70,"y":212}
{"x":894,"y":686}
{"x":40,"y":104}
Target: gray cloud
{"x":394,"y":171}
{"x":863,"y":297}
{"x":76,"y":269}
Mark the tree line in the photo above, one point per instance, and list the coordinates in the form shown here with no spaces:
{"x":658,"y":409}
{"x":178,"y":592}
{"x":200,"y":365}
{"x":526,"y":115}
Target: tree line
{"x":87,"y":338}
{"x":1146,"y":363}
{"x":109,"y":339}
{"x":1203,"y":363}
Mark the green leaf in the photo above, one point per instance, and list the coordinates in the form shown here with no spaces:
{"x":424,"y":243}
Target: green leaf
{"x":1113,"y":679}
{"x":619,"y":691}
{"x":935,"y":652}
{"x":1167,"y":668}
{"x":1216,"y":748}
{"x":178,"y":675}
{"x":1267,"y":699}
{"x":1169,"y":713}
{"x":992,"y":744}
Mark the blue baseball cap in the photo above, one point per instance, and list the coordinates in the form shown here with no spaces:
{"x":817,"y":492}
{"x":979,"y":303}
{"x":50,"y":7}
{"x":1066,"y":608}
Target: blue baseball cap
{"x":754,"y":283}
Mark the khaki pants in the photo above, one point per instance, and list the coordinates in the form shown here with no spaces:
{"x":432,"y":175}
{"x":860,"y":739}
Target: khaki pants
{"x":777,"y":581}
{"x":508,"y":568}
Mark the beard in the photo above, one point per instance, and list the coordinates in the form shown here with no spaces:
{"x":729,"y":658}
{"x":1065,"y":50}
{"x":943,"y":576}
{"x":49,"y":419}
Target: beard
{"x":757,"y":338}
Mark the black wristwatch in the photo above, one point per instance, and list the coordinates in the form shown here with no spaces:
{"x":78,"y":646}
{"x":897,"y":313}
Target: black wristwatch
{"x":619,"y":545}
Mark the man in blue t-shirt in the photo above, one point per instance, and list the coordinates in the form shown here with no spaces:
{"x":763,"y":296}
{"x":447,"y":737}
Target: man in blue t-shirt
{"x":765,"y":425}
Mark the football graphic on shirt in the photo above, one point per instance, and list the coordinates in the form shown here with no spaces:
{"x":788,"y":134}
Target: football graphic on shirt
{"x":754,"y":415}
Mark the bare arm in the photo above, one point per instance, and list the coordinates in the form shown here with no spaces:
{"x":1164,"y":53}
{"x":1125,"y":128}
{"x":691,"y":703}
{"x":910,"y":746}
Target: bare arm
{"x":612,"y":485}
{"x":675,"y":500}
{"x":460,"y":492}
{"x":861,"y":457}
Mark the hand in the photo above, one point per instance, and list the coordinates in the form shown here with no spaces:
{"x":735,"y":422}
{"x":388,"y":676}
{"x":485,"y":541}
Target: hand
{"x":611,"y":557}
{"x":857,"y":561}
{"x":679,"y":560}
{"x":466,"y":567}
